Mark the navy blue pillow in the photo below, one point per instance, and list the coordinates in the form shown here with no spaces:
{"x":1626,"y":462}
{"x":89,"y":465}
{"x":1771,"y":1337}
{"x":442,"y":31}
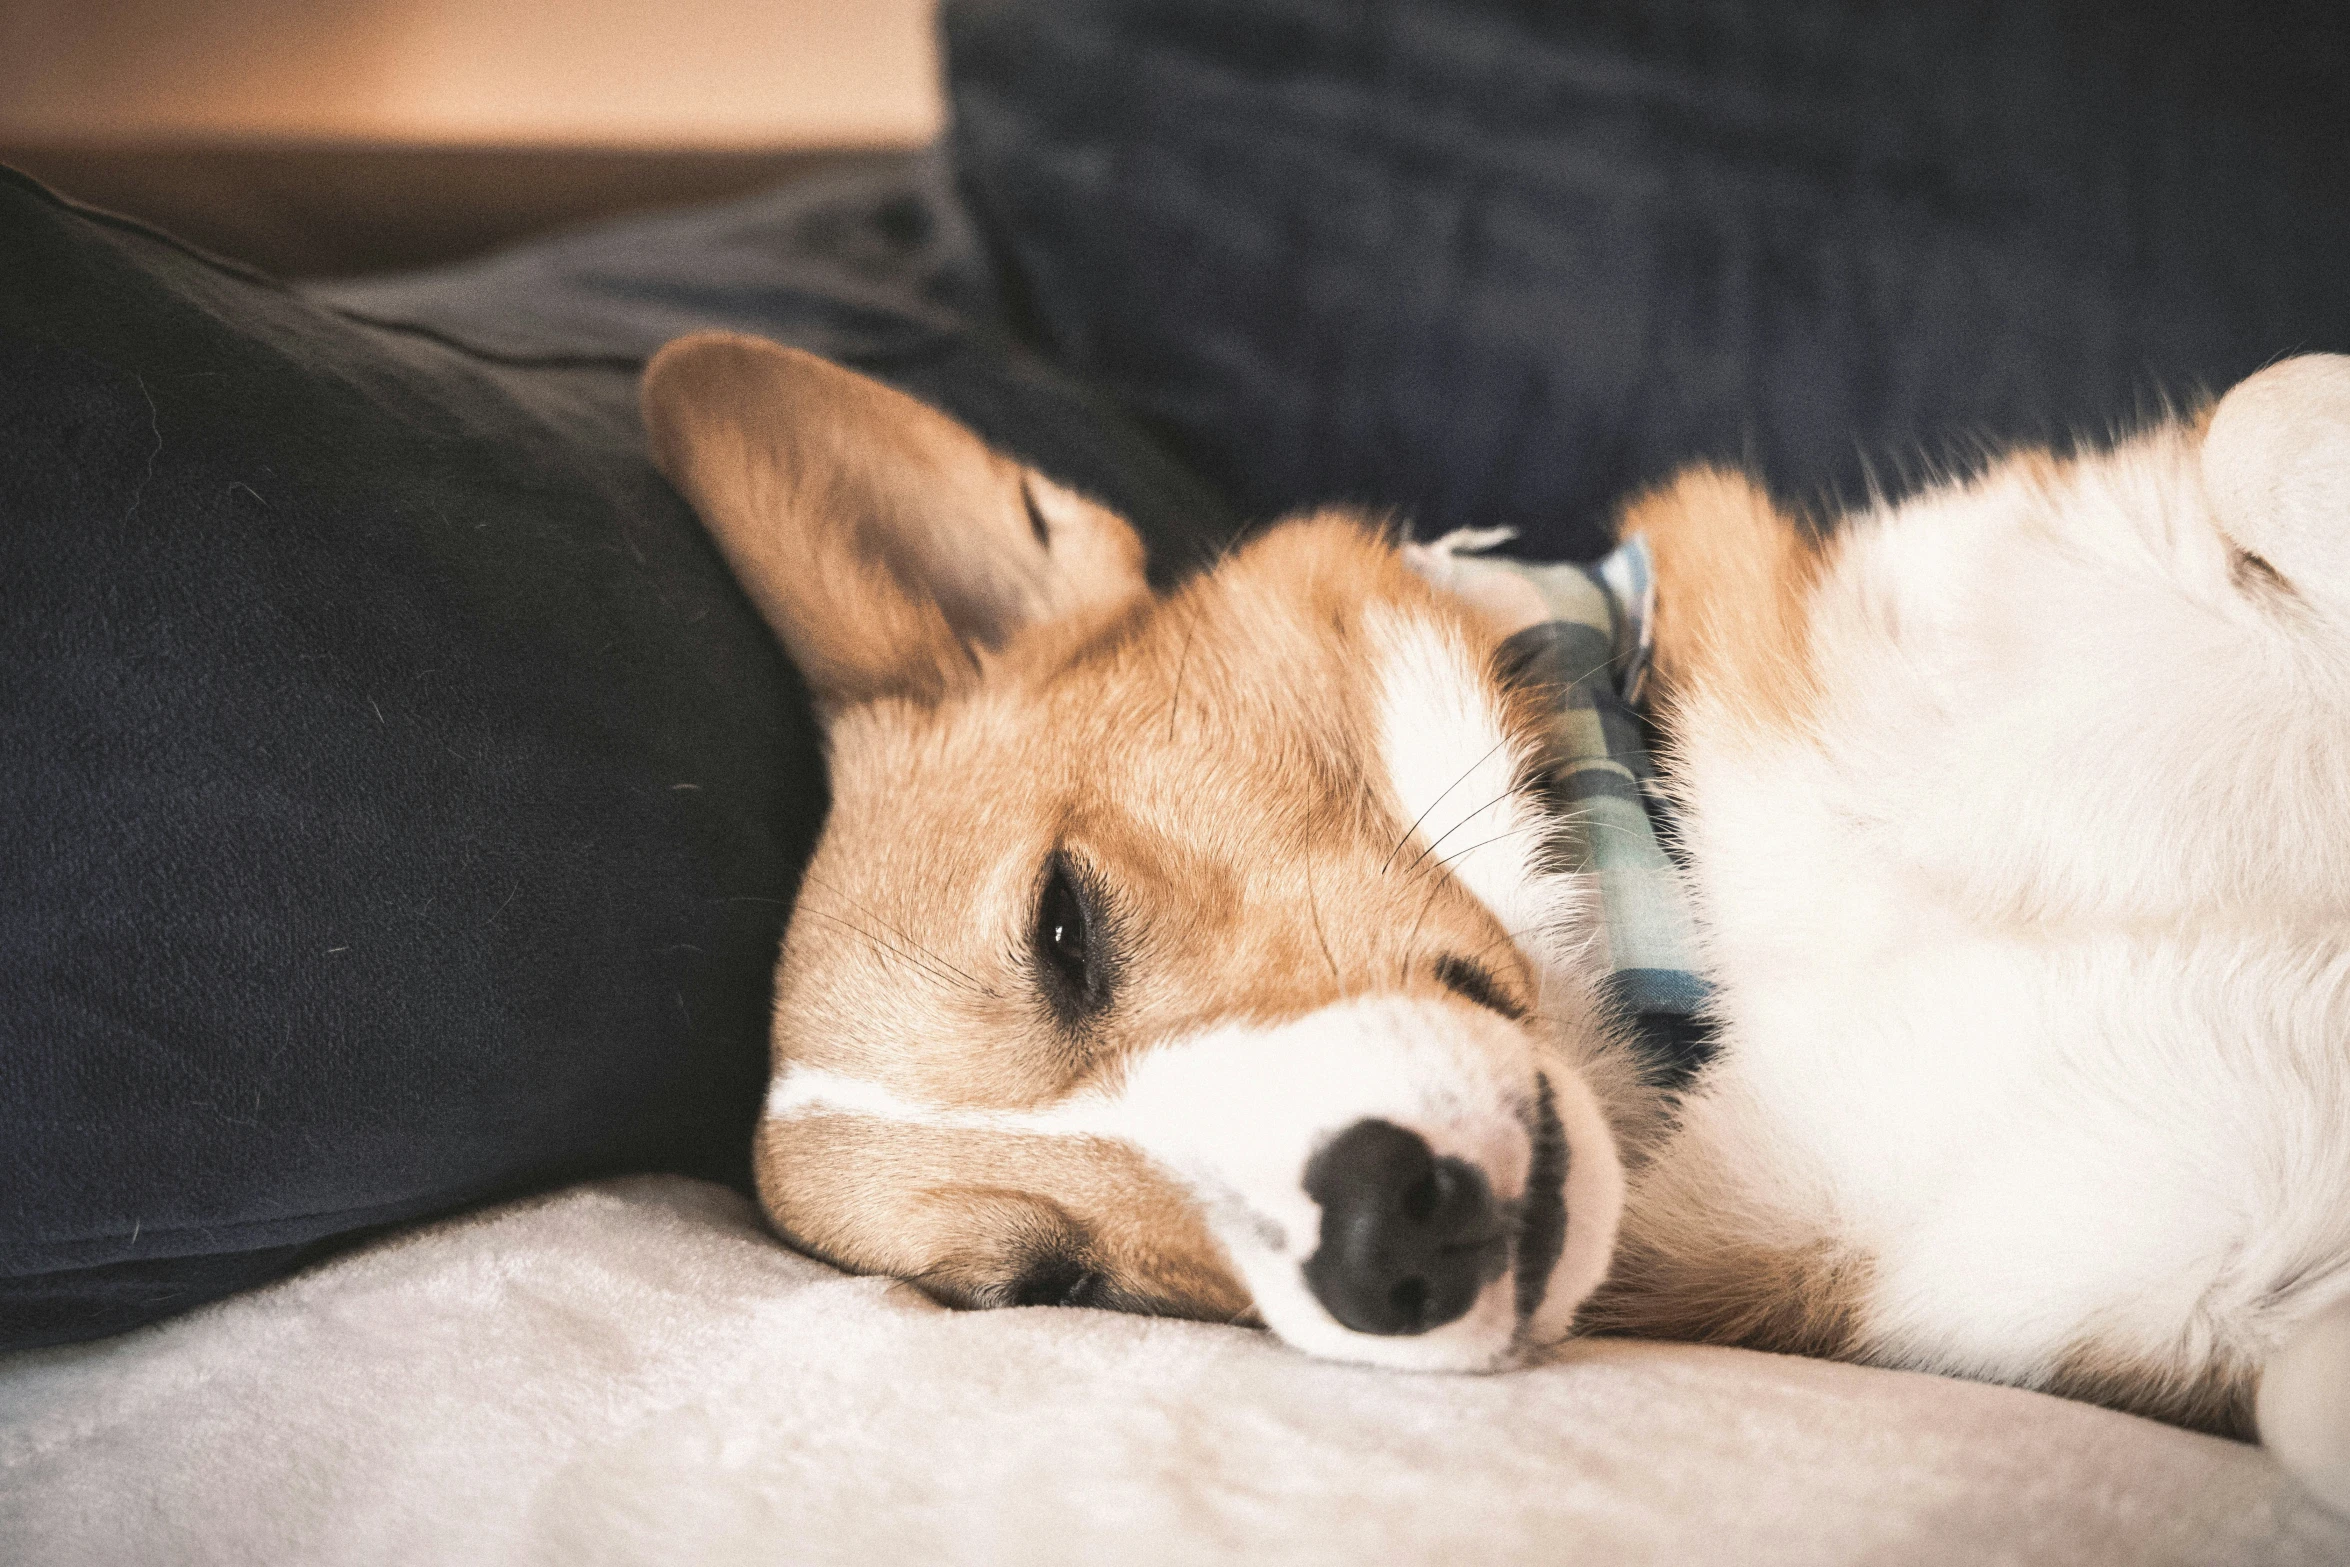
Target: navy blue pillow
{"x":1492,"y":261}
{"x":399,"y":801}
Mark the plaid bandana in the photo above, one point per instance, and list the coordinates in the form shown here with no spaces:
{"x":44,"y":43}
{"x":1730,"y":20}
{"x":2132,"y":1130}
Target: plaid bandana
{"x":1585,"y":642}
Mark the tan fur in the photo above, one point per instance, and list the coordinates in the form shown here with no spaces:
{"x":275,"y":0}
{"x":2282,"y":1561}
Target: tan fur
{"x":960,"y":1212}
{"x":1692,"y":1263}
{"x":2215,"y":1397}
{"x":1800,"y":1300}
{"x":1732,"y":575}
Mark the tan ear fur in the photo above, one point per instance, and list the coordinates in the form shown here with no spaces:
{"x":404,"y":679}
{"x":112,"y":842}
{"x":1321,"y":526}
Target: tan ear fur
{"x":886,"y":544}
{"x":1732,"y":576}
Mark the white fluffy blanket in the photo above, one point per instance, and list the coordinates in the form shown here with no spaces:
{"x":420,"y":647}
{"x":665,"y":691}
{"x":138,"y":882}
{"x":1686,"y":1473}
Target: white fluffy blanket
{"x":634,"y":1373}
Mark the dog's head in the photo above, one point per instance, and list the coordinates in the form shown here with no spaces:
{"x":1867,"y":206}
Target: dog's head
{"x":1189,"y":953}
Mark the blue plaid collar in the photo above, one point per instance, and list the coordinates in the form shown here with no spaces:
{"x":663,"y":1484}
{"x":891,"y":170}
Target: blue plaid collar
{"x":1587,"y":648}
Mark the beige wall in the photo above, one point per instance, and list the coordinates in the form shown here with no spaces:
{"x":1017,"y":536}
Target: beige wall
{"x":711,"y":73}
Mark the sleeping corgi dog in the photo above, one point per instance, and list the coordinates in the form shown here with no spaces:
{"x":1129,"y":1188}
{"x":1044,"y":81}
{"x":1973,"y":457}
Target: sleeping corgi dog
{"x":1211,"y":952}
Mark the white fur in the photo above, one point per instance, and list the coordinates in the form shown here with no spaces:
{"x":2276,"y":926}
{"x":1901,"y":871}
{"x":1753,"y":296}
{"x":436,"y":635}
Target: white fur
{"x":1455,"y":773}
{"x":2034,"y":942}
{"x":2276,"y":466}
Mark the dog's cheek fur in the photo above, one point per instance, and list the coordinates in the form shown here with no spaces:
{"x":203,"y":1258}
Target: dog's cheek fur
{"x":965,"y":1212}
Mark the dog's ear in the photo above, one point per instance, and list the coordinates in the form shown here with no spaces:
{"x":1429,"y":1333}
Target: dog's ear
{"x":886,"y":544}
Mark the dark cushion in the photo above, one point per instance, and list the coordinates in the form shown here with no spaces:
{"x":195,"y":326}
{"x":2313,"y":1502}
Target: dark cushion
{"x":1490,"y":261}
{"x":399,"y":801}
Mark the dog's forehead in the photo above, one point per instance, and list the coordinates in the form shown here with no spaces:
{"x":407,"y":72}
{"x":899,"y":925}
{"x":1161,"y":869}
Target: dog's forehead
{"x":1310,"y":670}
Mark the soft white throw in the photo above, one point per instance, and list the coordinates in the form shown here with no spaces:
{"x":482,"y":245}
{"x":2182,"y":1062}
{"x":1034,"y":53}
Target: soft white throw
{"x":635,"y":1373}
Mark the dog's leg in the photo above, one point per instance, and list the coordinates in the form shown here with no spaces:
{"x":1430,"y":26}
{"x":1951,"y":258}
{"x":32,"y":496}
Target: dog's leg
{"x":1733,"y":574}
{"x":1699,"y":1260}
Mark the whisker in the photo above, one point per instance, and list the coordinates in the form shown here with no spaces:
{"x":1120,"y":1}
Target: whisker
{"x":891,"y":948}
{"x":1182,"y":667}
{"x":1496,"y":838}
{"x":1439,"y":800}
{"x":874,"y":914}
{"x":1397,"y":848}
{"x":945,"y":976}
{"x":1314,"y":907}
{"x":1510,"y":936}
{"x":1463,"y":822}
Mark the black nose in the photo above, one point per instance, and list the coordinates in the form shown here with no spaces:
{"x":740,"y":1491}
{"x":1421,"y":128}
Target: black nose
{"x":1408,"y":1239}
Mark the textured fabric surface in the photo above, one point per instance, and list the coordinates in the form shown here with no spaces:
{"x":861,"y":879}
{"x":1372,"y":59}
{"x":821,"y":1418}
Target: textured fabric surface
{"x":400,"y":800}
{"x":874,"y":266}
{"x":634,"y":1373}
{"x":1498,"y":263}
{"x":1589,"y":658}
{"x":870,"y":257}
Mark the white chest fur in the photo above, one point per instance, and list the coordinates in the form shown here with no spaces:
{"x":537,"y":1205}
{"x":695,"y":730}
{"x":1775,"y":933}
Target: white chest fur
{"x":2033,"y":937}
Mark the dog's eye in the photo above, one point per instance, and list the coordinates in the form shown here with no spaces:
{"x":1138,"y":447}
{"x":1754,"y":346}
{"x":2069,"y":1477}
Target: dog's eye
{"x":1068,"y":954}
{"x":1476,"y":985}
{"x":1058,"y":1281}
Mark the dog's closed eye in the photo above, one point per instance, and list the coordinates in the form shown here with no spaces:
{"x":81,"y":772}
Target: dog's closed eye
{"x":1057,"y":1281}
{"x":1475,"y":984}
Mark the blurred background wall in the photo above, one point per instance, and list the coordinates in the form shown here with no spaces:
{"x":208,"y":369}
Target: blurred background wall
{"x":635,"y":72}
{"x":320,"y":136}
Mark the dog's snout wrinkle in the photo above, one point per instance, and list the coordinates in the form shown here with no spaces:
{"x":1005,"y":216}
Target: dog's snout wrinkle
{"x":1408,"y":1239}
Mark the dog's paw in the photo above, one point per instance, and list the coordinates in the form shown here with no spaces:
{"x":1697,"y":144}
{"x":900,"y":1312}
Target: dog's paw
{"x":2276,"y":467}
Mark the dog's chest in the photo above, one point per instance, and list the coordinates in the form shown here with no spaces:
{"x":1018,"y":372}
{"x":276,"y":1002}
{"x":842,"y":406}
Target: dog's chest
{"x":2026,"y":1121}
